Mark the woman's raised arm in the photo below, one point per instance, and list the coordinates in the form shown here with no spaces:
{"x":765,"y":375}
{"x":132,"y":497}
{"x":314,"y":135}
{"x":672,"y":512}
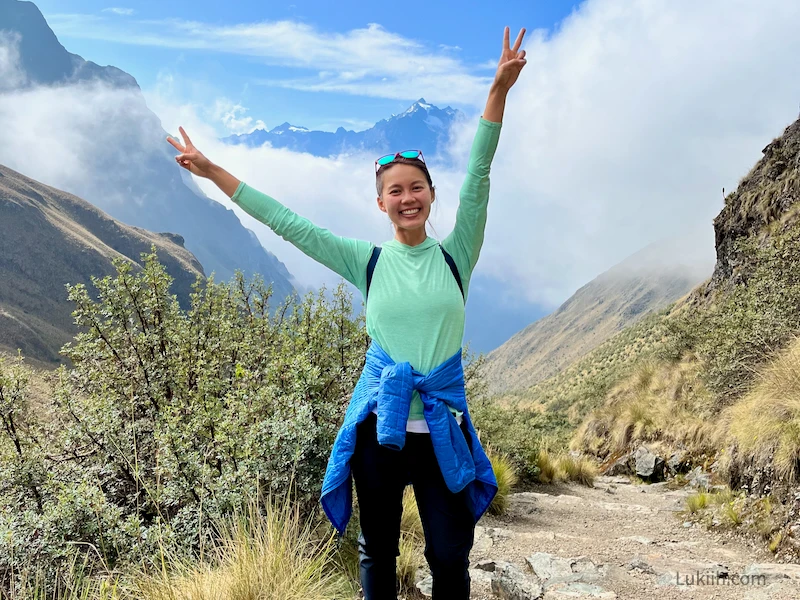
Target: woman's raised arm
{"x":346,"y":256}
{"x":465,"y":241}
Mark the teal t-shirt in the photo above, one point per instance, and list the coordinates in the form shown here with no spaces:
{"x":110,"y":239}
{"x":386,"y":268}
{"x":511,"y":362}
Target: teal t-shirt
{"x":415,"y":311}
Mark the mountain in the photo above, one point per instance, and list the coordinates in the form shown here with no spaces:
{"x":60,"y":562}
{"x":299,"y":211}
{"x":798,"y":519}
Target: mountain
{"x":644,"y":282}
{"x":422,"y":127}
{"x":138,"y":182}
{"x":49,"y":238}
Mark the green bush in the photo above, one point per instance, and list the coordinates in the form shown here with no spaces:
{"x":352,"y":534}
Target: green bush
{"x":170,"y":419}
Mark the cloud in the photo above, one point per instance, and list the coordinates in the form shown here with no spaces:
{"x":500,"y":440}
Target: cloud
{"x":370,"y":61}
{"x":125,"y":12}
{"x":624,"y":127}
{"x":233,"y":117}
{"x":12,"y":75}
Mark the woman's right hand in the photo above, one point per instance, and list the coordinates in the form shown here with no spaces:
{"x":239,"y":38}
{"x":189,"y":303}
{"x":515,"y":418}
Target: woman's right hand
{"x":190,"y":158}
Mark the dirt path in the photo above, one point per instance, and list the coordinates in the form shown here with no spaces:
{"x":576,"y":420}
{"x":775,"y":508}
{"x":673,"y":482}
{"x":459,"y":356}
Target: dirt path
{"x":634,"y":543}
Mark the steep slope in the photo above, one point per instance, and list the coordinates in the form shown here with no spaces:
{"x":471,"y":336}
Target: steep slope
{"x":645,"y":282}
{"x":49,"y":238}
{"x":141,"y":184}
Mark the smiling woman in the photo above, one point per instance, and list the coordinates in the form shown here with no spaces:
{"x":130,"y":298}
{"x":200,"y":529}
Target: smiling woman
{"x":407,"y":421}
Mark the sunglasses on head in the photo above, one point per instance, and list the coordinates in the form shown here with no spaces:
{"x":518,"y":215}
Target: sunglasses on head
{"x":390,"y":158}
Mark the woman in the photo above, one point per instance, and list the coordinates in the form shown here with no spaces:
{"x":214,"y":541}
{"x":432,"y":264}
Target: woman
{"x":407,"y":421}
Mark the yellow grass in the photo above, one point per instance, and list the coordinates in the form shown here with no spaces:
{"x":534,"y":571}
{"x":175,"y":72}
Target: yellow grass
{"x":411,"y":524}
{"x":409,"y":561}
{"x":506,"y":475}
{"x":697,"y":502}
{"x":269,"y":555}
{"x":765,"y":424}
{"x":664,"y":401}
{"x":580,"y":470}
{"x":548,"y":467}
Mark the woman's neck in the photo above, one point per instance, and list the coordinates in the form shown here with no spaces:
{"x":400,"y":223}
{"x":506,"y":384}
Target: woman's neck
{"x":412,"y":237}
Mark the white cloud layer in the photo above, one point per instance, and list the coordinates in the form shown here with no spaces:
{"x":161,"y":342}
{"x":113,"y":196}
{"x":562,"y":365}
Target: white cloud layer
{"x":624,"y":127}
{"x":12,"y":75}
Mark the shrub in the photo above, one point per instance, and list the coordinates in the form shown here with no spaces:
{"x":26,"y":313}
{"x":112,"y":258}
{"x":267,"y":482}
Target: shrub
{"x":170,"y":419}
{"x":410,"y":523}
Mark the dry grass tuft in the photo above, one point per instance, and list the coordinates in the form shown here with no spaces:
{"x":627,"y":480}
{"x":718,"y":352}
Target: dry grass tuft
{"x":272,"y":554}
{"x":507,"y":478}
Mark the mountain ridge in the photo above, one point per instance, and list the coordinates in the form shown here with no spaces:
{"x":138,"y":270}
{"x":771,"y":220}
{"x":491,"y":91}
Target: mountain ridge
{"x":422,"y":126}
{"x":50,"y":238}
{"x":646,"y":281}
{"x":149,"y":192}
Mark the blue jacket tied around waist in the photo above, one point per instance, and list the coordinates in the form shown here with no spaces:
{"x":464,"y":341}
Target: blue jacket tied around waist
{"x":388,"y":385}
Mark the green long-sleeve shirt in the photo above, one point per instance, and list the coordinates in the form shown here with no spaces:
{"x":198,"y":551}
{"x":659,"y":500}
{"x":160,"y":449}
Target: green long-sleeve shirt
{"x":415,"y":311}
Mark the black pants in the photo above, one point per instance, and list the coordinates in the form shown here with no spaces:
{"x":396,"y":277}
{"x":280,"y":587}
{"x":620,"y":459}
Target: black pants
{"x":380,"y":476}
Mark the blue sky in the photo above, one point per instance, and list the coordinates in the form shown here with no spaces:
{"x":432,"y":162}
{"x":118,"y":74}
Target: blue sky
{"x":628,"y":120}
{"x":316,"y":64}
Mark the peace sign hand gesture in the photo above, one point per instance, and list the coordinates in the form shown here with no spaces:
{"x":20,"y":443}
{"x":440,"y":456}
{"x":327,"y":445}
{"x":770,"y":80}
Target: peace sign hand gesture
{"x":190,"y":158}
{"x":511,"y":61}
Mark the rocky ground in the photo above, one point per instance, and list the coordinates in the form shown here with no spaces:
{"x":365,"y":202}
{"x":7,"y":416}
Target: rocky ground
{"x":617,"y":540}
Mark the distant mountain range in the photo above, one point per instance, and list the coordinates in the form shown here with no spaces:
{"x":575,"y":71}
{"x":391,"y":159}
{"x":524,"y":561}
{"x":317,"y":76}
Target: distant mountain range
{"x":49,"y":238}
{"x":422,"y":127}
{"x":141,"y":184}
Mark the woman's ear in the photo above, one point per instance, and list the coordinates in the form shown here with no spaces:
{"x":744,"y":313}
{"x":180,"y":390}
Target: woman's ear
{"x":381,"y":204}
{"x":433,"y":193}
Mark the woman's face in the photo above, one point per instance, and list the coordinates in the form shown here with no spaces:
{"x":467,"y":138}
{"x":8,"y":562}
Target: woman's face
{"x":406,"y":196}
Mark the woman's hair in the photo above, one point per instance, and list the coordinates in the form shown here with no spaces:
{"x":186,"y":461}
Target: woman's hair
{"x":415,"y":162}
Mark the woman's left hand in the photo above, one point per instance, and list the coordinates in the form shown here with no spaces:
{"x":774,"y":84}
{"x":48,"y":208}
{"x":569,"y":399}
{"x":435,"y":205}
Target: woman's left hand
{"x":511,"y":62}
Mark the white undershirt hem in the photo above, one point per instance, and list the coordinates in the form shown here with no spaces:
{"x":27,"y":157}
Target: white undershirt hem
{"x":419,"y":425}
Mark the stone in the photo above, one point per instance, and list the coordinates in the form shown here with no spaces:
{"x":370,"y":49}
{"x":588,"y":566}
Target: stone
{"x":547,"y":567}
{"x":639,"y":564}
{"x":638,"y":538}
{"x":552,"y":570}
{"x":483,"y":541}
{"x":676,"y":463}
{"x":772,"y":571}
{"x":425,"y":586}
{"x":621,"y":466}
{"x":478,"y":576}
{"x":485,"y":565}
{"x":648,"y":465}
{"x":510,"y":583}
{"x":699,"y":479}
{"x":499,"y":534}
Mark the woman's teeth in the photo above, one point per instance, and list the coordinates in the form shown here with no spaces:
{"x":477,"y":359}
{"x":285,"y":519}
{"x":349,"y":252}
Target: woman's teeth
{"x":411,"y":211}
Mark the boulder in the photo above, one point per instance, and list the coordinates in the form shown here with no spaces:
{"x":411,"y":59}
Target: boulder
{"x":648,"y":465}
{"x":510,"y":583}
